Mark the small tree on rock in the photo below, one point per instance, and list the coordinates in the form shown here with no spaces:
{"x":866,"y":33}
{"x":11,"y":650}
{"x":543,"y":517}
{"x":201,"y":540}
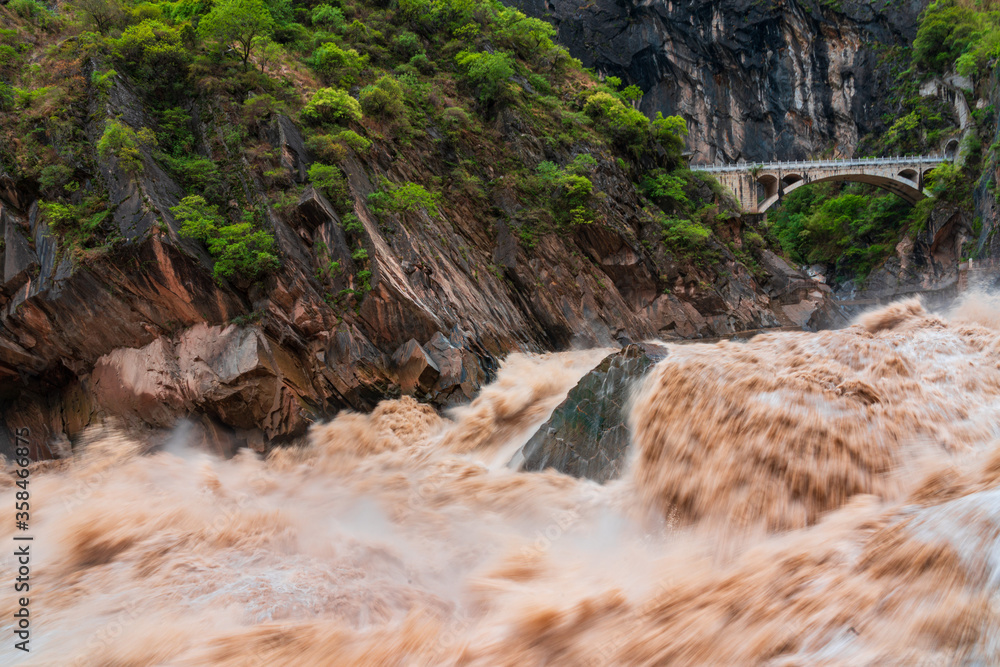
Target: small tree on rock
{"x":240,"y":250}
{"x":332,"y":105}
{"x":238,"y":22}
{"x":486,"y":71}
{"x":670,"y":132}
{"x":103,"y":14}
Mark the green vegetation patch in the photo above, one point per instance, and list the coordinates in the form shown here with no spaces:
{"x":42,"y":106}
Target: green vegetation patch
{"x":852,"y":228}
{"x":239,"y":249}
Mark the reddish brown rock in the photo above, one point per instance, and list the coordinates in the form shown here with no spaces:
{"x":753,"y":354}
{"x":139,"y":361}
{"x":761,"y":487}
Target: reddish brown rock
{"x":144,"y":383}
{"x":415,"y":368}
{"x":461,"y":373}
{"x":236,"y":375}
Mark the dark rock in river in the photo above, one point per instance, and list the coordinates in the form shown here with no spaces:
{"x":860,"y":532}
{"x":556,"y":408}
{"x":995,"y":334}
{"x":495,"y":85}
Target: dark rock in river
{"x":587,"y":435}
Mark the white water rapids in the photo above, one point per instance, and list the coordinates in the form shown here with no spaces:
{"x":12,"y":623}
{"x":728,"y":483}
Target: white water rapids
{"x":799,"y":499}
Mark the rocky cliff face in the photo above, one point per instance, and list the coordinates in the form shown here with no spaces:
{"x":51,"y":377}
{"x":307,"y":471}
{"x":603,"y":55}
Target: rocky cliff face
{"x":138,"y":329}
{"x":755,"y":80}
{"x":926,"y":263}
{"x":986,"y":202}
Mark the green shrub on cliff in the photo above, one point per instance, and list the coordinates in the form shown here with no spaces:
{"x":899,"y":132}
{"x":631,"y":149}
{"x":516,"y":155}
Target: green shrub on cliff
{"x":332,"y":105}
{"x":154,"y":54}
{"x":948,"y":182}
{"x":918,"y":131}
{"x":667,"y":189}
{"x":946,"y":32}
{"x":102,"y":82}
{"x":487,"y":72}
{"x":34,"y":11}
{"x":239,"y":250}
{"x":625,"y":125}
{"x":582,"y":164}
{"x":686,"y":236}
{"x":8,"y":96}
{"x":125,"y":144}
{"x":353,"y":140}
{"x":338,"y":65}
{"x":330,"y":180}
{"x":384,"y":98}
{"x":80,"y":226}
{"x":529,"y":37}
{"x":328,"y":17}
{"x":398,"y":198}
{"x":952,"y":35}
{"x":670,"y":132}
{"x":55,"y":178}
{"x":572,"y":192}
{"x":326,"y":147}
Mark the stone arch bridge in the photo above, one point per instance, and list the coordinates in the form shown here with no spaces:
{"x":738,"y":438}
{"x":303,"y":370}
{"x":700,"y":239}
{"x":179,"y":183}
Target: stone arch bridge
{"x":758,"y":186}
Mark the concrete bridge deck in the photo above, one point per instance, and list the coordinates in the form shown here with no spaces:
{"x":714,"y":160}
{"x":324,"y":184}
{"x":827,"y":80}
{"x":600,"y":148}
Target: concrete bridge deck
{"x":759,"y":185}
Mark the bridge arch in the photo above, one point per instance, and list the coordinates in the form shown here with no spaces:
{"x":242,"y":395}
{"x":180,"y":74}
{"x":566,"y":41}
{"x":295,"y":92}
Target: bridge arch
{"x":903,"y":187}
{"x":770,"y":183}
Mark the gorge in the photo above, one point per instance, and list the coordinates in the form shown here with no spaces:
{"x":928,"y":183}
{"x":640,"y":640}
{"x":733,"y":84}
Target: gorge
{"x":756,"y":81}
{"x":460,"y":332}
{"x":424,"y":245}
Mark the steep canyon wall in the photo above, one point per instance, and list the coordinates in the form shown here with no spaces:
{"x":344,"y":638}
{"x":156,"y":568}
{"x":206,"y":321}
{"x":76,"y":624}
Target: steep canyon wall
{"x":754,"y":80}
{"x":141,"y":332}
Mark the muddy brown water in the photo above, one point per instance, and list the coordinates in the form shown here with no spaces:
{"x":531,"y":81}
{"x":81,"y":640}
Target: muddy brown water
{"x":822,"y":498}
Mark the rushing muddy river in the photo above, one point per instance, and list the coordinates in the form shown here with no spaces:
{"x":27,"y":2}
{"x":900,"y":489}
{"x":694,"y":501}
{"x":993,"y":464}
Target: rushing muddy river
{"x":798,"y":499}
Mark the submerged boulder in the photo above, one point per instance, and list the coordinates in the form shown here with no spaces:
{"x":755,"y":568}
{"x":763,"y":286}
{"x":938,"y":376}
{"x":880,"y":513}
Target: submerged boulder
{"x":587,"y":435}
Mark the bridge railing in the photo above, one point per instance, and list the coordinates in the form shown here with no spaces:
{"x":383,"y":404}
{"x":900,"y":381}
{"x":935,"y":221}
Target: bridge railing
{"x":990,"y":264}
{"x":814,"y":164}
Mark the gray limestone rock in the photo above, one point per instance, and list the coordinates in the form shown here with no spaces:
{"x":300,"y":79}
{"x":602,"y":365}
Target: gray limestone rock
{"x":19,"y":257}
{"x":754,"y":80}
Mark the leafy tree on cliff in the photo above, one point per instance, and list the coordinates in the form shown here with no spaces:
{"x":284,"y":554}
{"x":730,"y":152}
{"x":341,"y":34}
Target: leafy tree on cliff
{"x":152,"y":52}
{"x":530,"y":37}
{"x":946,"y":32}
{"x":332,"y":105}
{"x":239,"y":22}
{"x":626,"y":125}
{"x":486,"y":71}
{"x":102,"y":14}
{"x":240,"y":250}
{"x":125,"y":144}
{"x":670,"y":132}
